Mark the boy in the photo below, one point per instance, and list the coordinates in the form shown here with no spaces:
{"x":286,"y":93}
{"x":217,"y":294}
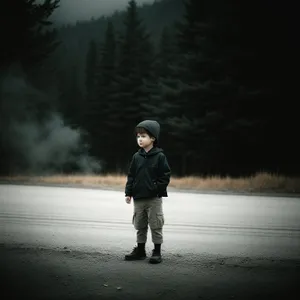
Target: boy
{"x":147,"y":181}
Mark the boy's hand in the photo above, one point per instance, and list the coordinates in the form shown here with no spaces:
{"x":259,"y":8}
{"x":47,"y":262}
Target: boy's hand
{"x":128,"y":199}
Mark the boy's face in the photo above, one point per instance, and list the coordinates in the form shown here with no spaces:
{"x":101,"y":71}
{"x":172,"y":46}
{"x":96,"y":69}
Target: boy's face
{"x":144,"y":140}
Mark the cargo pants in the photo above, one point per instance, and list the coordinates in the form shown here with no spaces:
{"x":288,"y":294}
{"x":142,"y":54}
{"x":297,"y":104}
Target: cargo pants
{"x":148,"y":212}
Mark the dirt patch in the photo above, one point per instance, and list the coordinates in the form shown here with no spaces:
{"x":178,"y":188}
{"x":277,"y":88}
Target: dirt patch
{"x":40,"y":273}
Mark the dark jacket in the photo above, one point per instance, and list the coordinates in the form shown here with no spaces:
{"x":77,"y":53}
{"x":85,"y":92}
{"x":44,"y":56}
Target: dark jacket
{"x":149,"y":174}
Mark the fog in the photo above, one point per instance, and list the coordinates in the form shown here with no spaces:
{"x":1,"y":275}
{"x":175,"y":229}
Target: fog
{"x":38,"y":142}
{"x":74,"y":10}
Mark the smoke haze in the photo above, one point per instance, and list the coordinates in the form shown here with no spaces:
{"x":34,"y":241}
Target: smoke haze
{"x":37,"y":143}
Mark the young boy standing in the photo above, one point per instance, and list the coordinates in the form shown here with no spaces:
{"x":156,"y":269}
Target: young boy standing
{"x":148,"y":177}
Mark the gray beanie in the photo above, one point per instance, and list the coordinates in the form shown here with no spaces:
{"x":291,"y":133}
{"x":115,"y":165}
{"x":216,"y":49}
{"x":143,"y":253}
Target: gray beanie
{"x":152,"y":126}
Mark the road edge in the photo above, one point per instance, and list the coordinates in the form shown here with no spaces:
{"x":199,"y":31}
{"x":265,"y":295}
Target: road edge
{"x":121,"y":189}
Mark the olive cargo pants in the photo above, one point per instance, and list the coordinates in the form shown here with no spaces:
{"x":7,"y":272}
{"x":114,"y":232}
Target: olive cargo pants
{"x":148,"y":212}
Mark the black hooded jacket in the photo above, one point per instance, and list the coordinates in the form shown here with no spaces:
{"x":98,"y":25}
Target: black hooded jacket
{"x":149,"y":174}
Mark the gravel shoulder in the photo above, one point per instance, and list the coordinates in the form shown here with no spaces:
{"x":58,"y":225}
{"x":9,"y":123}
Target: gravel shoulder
{"x":63,"y":273}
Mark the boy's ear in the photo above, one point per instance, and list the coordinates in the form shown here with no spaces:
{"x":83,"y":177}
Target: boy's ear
{"x":153,"y":139}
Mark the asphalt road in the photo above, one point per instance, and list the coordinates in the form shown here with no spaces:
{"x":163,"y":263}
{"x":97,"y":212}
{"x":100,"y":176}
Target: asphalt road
{"x":69,"y":243}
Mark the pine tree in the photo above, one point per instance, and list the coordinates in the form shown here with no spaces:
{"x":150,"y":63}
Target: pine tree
{"x":71,"y":100}
{"x":108,"y":57}
{"x":25,"y":36}
{"x":26,"y":40}
{"x":163,"y":90}
{"x":98,"y":108}
{"x":206,"y":88}
{"x":136,"y":50}
{"x":90,"y":71}
{"x":167,"y":53}
{"x":229,"y":86}
{"x":134,"y":68}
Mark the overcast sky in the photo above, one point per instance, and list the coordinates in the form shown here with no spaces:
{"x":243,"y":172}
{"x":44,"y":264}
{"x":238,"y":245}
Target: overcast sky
{"x":73,"y":10}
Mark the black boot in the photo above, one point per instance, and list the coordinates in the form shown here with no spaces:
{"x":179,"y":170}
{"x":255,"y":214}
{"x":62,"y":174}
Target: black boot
{"x":138,"y":253}
{"x":156,"y":255}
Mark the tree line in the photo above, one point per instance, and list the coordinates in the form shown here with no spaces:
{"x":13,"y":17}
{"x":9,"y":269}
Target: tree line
{"x":220,"y":79}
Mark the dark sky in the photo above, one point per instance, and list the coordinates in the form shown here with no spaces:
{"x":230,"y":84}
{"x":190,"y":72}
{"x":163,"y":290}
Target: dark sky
{"x":73,"y":10}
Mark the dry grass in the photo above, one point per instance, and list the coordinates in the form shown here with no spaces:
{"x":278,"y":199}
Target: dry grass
{"x":85,"y":180}
{"x":261,"y":182}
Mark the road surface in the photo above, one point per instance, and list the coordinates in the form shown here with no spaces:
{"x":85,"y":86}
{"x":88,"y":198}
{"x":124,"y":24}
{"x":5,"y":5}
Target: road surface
{"x":69,"y":243}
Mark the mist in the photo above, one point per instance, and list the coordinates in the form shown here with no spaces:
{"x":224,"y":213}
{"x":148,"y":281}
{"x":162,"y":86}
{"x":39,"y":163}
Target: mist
{"x":38,"y":142}
{"x":77,"y":10}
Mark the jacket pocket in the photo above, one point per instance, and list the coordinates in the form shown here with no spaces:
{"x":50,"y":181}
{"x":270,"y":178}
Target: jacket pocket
{"x":155,"y":187}
{"x":150,"y":187}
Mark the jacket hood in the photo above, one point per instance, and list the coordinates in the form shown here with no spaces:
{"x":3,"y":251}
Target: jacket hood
{"x":152,"y":126}
{"x":153,"y":151}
